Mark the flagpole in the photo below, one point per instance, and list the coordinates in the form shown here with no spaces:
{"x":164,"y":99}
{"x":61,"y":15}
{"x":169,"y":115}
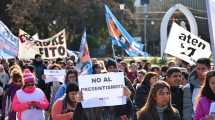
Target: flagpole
{"x":114,"y":56}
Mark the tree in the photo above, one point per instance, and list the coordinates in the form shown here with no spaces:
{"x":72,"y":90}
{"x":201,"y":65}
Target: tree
{"x":47,"y":17}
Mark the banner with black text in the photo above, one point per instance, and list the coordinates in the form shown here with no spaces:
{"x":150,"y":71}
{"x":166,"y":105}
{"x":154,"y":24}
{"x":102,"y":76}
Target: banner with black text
{"x":186,"y":46}
{"x":102,"y":89}
{"x":50,"y":48}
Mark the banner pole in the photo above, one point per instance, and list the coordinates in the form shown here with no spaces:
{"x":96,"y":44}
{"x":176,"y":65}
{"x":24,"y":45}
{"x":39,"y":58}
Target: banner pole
{"x":114,"y":56}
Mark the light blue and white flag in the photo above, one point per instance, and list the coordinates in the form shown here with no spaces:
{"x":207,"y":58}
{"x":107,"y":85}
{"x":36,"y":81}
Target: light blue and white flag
{"x":84,"y":65}
{"x":120,"y":37}
{"x":8,"y":42}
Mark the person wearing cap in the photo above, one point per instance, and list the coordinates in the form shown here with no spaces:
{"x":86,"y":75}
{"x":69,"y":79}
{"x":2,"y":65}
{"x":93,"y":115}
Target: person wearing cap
{"x":30,"y":101}
{"x":69,"y":107}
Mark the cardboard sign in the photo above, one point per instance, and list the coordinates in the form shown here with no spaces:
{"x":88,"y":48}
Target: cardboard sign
{"x":50,"y":48}
{"x":186,"y":46}
{"x":55,"y":75}
{"x":102,"y":89}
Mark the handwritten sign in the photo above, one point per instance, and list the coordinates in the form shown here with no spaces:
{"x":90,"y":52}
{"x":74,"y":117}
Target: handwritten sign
{"x":102,"y":89}
{"x":186,"y":46}
{"x":55,"y":75}
{"x":50,"y":48}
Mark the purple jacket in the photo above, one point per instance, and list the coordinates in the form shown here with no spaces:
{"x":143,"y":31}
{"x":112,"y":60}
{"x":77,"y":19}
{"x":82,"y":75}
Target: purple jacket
{"x":10,"y":93}
{"x":203,"y":108}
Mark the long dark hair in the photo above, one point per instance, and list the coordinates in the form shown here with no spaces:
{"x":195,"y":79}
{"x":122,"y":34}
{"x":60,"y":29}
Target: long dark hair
{"x":70,"y":88}
{"x":151,"y":103}
{"x":71,"y":71}
{"x":95,"y":66}
{"x":206,"y":90}
{"x":147,"y":78}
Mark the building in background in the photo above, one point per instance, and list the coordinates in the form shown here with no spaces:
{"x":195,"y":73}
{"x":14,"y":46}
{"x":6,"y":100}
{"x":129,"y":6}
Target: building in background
{"x":152,"y":15}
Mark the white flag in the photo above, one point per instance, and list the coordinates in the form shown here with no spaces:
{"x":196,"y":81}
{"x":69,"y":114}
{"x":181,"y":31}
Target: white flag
{"x":211,"y":24}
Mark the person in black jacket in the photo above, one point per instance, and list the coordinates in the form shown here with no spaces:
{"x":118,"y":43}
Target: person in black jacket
{"x":143,"y":90}
{"x":174,"y":77}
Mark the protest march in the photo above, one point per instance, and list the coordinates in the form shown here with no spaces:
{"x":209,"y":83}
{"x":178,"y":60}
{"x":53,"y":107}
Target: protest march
{"x":44,"y":79}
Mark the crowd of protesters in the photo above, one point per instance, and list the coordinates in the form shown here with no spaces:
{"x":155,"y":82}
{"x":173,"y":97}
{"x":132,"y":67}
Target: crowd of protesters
{"x":174,"y":91}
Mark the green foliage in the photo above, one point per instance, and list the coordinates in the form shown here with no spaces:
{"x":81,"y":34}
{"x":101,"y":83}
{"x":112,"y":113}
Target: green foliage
{"x":48,"y":17}
{"x":163,"y":61}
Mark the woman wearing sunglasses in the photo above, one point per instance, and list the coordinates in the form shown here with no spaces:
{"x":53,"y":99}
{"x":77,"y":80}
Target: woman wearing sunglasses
{"x":30,"y":102}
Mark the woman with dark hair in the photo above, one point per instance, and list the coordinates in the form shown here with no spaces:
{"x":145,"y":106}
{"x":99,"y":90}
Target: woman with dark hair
{"x":206,"y":97}
{"x":71,"y":77}
{"x":140,"y":77}
{"x":143,"y":90}
{"x":158,"y":105}
{"x":97,"y":68}
{"x":69,"y":106}
{"x":124,"y":67}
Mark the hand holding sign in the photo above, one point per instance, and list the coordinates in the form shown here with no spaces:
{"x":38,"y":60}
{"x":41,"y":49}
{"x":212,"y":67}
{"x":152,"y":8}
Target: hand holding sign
{"x":126,"y":91}
{"x":212,"y":110}
{"x":79,"y":97}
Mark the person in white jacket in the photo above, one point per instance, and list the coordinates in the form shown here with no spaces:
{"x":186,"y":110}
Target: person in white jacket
{"x":30,"y":101}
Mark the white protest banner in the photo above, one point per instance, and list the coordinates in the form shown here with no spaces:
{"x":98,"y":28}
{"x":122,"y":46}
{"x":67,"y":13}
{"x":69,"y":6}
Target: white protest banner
{"x":102,"y":89}
{"x":186,"y":46}
{"x":55,"y":75}
{"x":50,"y":48}
{"x":211,"y":24}
{"x":27,"y":48}
{"x":36,"y":36}
{"x":9,"y":42}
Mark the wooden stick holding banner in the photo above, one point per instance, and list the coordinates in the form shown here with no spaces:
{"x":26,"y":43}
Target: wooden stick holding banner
{"x":114,"y":56}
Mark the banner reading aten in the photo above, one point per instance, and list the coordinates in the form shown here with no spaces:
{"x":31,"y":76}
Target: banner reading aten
{"x":186,"y":46}
{"x":50,"y":48}
{"x":102,"y":89}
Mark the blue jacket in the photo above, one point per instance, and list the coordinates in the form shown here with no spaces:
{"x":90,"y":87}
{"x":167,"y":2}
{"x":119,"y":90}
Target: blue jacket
{"x":60,"y":92}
